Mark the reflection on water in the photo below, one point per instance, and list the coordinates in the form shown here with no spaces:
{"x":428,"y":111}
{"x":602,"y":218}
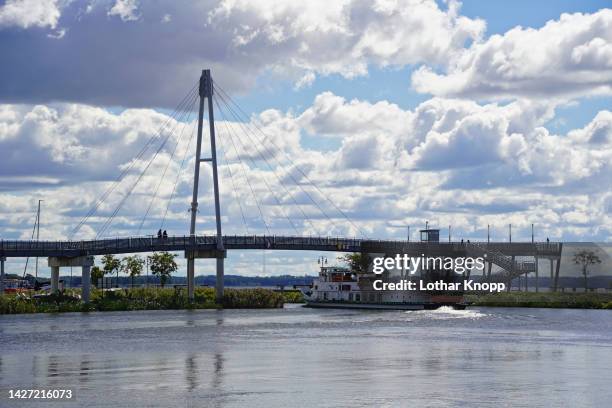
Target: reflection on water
{"x":298,"y":356}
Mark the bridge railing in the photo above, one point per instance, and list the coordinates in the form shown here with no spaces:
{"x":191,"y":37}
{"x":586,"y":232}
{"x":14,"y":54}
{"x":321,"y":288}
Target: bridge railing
{"x":176,"y":243}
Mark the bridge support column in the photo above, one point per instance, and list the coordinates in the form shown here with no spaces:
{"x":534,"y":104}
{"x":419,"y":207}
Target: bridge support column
{"x":85,"y":262}
{"x":556,"y":284}
{"x":85,"y":282}
{"x":220,"y":256}
{"x":537,"y":283}
{"x":190,"y":278}
{"x":2,"y":260}
{"x":219,"y":284}
{"x":54,"y":279}
{"x":551,"y":274}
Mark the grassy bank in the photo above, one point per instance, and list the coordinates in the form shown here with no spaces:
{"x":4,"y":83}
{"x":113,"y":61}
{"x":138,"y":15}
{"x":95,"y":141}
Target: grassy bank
{"x":543,"y":299}
{"x":145,"y":299}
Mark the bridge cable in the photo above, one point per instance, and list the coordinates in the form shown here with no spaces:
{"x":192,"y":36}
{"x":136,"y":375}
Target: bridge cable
{"x":243,"y":167}
{"x":261,"y":153}
{"x":178,"y":175}
{"x":109,"y":221}
{"x":234,"y":189}
{"x":280,"y":206}
{"x":222,"y":92}
{"x":161,"y":179}
{"x":125,"y":171}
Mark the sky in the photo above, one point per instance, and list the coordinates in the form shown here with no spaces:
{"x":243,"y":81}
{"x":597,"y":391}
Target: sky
{"x":351,"y":118}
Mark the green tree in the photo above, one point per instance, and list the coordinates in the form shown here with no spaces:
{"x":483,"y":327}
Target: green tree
{"x":162,"y":264}
{"x":96,"y":275}
{"x":132,"y":265}
{"x":111,"y":265}
{"x":358,"y":262}
{"x":585,"y":259}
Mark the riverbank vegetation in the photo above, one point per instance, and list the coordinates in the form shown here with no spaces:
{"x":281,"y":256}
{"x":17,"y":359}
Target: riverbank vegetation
{"x":543,"y":299}
{"x":145,"y":299}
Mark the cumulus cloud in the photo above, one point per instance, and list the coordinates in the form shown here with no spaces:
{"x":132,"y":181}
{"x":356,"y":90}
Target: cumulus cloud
{"x":238,"y":40}
{"x":30,"y":13}
{"x":567,"y":57}
{"x":346,"y":36}
{"x":71,"y":143}
{"x":126,"y":10}
{"x":449,"y":161}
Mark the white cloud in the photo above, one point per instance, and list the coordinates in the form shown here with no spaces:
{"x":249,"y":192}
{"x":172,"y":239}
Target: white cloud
{"x":344,"y":37}
{"x":381,"y":175}
{"x":127,"y":10}
{"x":30,"y":13}
{"x":565,"y":58}
{"x":240,"y":41}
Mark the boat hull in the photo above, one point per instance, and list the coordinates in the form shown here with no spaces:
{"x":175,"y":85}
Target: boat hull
{"x":383,"y":306}
{"x":372,"y":306}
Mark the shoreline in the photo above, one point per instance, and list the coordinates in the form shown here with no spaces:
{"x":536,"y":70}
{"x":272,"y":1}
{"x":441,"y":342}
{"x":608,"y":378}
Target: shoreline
{"x":258,"y":298}
{"x":145,"y":299}
{"x":549,"y":300}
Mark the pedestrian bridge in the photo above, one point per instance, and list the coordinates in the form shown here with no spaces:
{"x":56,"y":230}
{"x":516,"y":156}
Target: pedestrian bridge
{"x":127,"y":245}
{"x":71,"y":249}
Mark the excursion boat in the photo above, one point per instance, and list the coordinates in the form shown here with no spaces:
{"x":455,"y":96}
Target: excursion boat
{"x":338,"y":287}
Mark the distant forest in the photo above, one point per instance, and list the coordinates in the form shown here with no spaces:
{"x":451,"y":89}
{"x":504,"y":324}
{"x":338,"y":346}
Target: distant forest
{"x":600,"y":281}
{"x":207,"y":280}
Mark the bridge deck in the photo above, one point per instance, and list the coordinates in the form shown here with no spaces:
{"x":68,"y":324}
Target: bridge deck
{"x":23,"y":248}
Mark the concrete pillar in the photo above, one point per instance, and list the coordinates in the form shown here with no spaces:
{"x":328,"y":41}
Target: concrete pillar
{"x":192,"y":255}
{"x":556,"y":284}
{"x":86,"y":262}
{"x":219,"y":282}
{"x":2,"y":260}
{"x":85,"y":282}
{"x":537,"y":277}
{"x":551,"y":270}
{"x":190,"y":278}
{"x":55,"y":278}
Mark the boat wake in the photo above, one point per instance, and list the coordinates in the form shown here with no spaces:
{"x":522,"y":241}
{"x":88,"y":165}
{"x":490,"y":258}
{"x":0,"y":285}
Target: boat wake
{"x":447,"y":312}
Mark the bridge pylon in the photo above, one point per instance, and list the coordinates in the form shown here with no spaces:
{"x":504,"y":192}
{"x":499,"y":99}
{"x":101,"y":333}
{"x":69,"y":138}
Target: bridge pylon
{"x":206,"y":92}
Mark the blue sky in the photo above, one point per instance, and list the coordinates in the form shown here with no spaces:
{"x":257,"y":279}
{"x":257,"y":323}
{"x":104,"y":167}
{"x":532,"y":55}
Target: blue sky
{"x":467,"y":114}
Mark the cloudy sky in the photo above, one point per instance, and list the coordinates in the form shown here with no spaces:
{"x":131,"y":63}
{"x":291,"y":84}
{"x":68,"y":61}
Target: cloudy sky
{"x":387,"y":112}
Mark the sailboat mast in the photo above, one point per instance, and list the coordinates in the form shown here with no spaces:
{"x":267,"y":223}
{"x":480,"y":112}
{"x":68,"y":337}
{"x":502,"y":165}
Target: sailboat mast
{"x":37,"y":237}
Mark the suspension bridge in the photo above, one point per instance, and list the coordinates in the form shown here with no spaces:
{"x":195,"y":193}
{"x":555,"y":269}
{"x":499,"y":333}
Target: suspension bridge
{"x":252,"y":148}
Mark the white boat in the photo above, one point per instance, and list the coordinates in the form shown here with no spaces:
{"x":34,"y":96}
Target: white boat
{"x":338,"y":287}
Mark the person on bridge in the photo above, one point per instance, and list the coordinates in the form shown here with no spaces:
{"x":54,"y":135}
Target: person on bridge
{"x":159,"y":234}
{"x":165,"y":235}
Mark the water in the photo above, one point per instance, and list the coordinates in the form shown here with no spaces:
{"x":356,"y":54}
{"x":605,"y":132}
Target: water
{"x":309,"y":357}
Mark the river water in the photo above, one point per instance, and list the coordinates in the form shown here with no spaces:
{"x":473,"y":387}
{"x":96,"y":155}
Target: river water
{"x":297,"y":357}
